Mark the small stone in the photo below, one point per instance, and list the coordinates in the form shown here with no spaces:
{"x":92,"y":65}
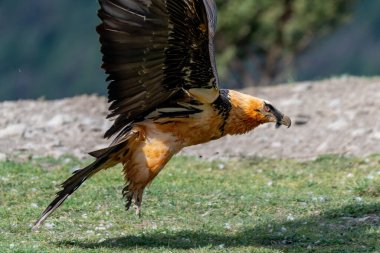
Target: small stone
{"x":301,"y":120}
{"x":101,"y":240}
{"x":359,"y":132}
{"x":303,"y":87}
{"x":57,"y":120}
{"x":3,"y":157}
{"x":290,"y":218}
{"x":334,"y":103}
{"x":15,"y":130}
{"x":338,"y":125}
{"x":376,"y":135}
{"x":276,"y":144}
{"x":49,"y":225}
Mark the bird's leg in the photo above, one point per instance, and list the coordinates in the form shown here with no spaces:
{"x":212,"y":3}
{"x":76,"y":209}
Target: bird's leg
{"x":133,"y":196}
{"x":128,"y":195}
{"x":137,"y":200}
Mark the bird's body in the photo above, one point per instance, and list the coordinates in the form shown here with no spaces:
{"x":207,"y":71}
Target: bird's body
{"x":164,"y":91}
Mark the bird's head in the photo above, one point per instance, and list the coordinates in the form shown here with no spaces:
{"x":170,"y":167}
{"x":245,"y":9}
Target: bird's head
{"x":249,"y":112}
{"x":268,"y":113}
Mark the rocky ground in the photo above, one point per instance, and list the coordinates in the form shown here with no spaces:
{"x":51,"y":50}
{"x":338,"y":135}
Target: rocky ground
{"x":340,"y":116}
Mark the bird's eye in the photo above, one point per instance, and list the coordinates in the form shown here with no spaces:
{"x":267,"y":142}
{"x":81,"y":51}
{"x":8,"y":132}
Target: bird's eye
{"x":266,"y":108}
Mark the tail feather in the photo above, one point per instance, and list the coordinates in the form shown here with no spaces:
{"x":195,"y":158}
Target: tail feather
{"x":75,"y":181}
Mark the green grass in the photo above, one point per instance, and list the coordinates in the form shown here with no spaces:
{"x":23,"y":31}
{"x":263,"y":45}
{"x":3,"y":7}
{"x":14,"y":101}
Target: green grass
{"x":331,"y":204}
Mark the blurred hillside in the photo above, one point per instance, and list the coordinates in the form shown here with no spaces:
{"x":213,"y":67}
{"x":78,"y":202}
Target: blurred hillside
{"x":50,"y":49}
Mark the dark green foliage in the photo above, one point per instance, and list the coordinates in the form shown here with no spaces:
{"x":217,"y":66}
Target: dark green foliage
{"x":50,"y":48}
{"x":271,"y":33}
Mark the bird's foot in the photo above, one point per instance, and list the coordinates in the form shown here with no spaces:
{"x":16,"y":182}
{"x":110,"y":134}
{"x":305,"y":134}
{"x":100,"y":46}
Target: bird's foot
{"x":133,"y":197}
{"x":137,"y":201}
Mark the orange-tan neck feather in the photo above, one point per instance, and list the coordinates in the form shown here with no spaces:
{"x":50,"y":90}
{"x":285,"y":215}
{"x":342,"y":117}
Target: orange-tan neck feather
{"x":244,"y":115}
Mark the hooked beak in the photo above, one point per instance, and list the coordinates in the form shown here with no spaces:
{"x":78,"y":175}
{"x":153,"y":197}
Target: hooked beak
{"x":283,"y":120}
{"x":274,"y":115}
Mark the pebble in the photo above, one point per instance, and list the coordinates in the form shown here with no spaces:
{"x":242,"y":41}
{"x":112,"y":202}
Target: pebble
{"x":301,"y":120}
{"x":101,"y":240}
{"x":338,"y":125}
{"x":49,"y":225}
{"x":334,"y":116}
{"x":3,"y":157}
{"x":376,"y":135}
{"x":15,"y":130}
{"x":290,"y":218}
{"x":58,"y":120}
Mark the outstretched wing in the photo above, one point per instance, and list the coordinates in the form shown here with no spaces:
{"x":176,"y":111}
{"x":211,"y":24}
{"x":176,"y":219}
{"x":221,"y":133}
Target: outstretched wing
{"x":153,"y":49}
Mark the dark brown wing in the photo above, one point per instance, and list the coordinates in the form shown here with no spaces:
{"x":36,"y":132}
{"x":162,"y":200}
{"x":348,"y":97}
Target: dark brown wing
{"x":212,"y":19}
{"x":152,"y":49}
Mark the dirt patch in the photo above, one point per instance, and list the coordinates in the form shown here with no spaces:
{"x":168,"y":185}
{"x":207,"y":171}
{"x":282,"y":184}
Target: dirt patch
{"x":340,"y":116}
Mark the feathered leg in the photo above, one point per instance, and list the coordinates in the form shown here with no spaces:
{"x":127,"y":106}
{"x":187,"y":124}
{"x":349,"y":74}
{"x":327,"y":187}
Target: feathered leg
{"x":133,"y":197}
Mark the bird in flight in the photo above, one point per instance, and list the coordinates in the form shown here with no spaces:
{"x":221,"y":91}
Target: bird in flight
{"x":163,"y":91}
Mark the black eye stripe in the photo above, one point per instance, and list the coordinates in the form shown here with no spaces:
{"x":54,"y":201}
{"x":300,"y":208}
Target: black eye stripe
{"x":270,"y":107}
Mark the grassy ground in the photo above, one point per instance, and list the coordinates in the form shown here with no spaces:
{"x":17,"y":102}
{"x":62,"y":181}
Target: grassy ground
{"x":331,"y":204}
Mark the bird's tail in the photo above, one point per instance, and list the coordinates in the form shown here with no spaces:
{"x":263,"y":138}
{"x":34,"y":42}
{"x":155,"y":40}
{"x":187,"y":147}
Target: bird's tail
{"x":104,"y":159}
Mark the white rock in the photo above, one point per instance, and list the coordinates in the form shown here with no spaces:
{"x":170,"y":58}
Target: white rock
{"x":376,"y":135}
{"x":221,"y":166}
{"x":58,"y":120}
{"x":338,"y":125}
{"x":227,"y":226}
{"x":276,"y":144}
{"x":49,"y":225}
{"x":290,"y":218}
{"x":289,"y":102}
{"x":3,"y":157}
{"x":15,"y":130}
{"x":334,"y":103}
{"x":359,"y":132}
{"x":90,"y":232}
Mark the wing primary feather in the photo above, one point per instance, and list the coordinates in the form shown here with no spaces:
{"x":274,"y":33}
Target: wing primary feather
{"x":152,"y":50}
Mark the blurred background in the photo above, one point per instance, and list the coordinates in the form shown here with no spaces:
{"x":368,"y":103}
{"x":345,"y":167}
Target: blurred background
{"x":50,"y":48}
